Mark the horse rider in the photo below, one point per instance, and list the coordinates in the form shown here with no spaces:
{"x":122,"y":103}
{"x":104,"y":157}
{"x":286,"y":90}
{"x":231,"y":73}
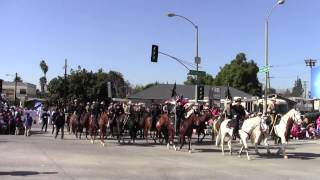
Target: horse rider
{"x":79,"y":110}
{"x":188,"y":109}
{"x":118,"y":110}
{"x":227,"y":109}
{"x":88,"y":107}
{"x":273,"y":112}
{"x":239,"y":113}
{"x":180,"y":111}
{"x":95,"y":111}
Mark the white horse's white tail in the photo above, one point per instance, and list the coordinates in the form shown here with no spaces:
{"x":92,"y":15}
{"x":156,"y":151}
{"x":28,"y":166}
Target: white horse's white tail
{"x":218,"y":138}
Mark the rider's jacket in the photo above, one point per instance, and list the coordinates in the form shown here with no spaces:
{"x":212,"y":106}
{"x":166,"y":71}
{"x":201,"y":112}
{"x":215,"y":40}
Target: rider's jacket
{"x":238,"y":111}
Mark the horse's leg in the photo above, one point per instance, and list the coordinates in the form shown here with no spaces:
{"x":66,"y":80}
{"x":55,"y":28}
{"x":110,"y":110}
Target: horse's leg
{"x":284,"y":143}
{"x":183,"y":139}
{"x":246,"y":148}
{"x":102,"y":136}
{"x":267,"y":145}
{"x":241,"y":149}
{"x":222,"y":143}
{"x":204,"y":135}
{"x":189,"y":139}
{"x":230,"y":147}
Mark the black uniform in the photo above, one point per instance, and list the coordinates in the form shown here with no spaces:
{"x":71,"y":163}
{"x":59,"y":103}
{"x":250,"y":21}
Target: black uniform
{"x":45,"y":116}
{"x":239,"y":113}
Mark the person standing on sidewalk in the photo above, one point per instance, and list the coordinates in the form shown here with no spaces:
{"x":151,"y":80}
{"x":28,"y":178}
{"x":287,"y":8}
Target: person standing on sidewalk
{"x":27,"y":124}
{"x":45,"y":117}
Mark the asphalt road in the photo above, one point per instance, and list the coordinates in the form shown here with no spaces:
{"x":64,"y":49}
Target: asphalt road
{"x":40,"y":156}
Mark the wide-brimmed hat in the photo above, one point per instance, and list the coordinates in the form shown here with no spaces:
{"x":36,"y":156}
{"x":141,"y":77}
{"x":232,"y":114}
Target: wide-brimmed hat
{"x":238,"y":100}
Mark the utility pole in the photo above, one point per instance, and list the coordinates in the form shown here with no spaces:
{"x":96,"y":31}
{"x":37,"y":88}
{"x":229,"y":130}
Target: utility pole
{"x":65,"y":84}
{"x":15,"y":88}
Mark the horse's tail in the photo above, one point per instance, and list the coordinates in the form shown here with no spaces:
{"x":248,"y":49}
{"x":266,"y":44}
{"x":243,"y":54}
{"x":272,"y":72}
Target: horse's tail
{"x":218,"y":138}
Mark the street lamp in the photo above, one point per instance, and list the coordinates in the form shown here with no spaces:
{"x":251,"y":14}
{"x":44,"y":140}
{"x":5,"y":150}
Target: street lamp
{"x":279,"y":2}
{"x":197,"y":59}
{"x":15,"y":87}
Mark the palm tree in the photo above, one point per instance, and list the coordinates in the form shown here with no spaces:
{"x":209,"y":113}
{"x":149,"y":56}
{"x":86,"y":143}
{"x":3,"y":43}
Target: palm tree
{"x":43,"y":80}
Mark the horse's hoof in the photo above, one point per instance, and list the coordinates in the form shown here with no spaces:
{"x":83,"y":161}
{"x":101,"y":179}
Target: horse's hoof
{"x":285,"y":157}
{"x":103,"y":144}
{"x":92,"y":142}
{"x":175,"y":149}
{"x":190,"y":151}
{"x":239,"y":156}
{"x":168,"y":146}
{"x":249,"y":158}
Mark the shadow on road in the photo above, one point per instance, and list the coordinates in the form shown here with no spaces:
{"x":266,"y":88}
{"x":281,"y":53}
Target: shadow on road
{"x":24,"y":173}
{"x":292,"y":155}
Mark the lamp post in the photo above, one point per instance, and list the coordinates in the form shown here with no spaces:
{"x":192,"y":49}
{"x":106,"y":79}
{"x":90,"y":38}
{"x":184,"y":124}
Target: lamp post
{"x":279,"y":2}
{"x":197,"y":59}
{"x":310,"y":63}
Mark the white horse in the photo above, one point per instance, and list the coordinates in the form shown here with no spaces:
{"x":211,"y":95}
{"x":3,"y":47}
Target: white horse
{"x":283,"y":129}
{"x":256,"y":130}
{"x":225,"y":132}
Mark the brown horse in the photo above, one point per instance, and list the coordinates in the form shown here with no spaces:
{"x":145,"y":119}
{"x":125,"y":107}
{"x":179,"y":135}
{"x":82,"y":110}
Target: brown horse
{"x":201,"y":125}
{"x":84,"y":123}
{"x":186,"y":129}
{"x":165,"y":126}
{"x":147,"y":128}
{"x":93,"y":128}
{"x":103,"y":121}
{"x":74,"y":124}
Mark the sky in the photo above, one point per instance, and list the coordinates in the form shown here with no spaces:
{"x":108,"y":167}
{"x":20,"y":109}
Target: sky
{"x":118,"y":34}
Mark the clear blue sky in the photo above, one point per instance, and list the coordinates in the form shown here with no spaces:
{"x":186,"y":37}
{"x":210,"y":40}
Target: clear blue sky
{"x":118,"y":34}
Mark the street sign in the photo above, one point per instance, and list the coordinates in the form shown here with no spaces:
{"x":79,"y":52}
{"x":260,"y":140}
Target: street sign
{"x":197,"y":60}
{"x":197,"y":73}
{"x":264,"y":69}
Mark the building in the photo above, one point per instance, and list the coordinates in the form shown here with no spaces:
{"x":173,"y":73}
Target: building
{"x":24,"y":90}
{"x":212,"y":94}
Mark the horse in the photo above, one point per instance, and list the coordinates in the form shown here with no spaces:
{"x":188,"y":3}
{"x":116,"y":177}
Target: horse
{"x":73,"y":123}
{"x":225,"y":131}
{"x":201,"y":125}
{"x":147,"y":121}
{"x":103,"y":122}
{"x":93,"y":128}
{"x":216,"y":126}
{"x":165,"y":126}
{"x":282,"y":130}
{"x":186,"y":129}
{"x":255,"y":129}
{"x":84,"y":123}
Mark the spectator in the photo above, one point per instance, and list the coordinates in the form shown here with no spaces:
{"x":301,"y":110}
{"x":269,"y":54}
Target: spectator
{"x":318,"y":126}
{"x":27,"y":124}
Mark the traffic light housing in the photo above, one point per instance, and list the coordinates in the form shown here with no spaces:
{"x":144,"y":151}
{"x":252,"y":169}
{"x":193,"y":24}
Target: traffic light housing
{"x":154,"y":53}
{"x":200,"y":92}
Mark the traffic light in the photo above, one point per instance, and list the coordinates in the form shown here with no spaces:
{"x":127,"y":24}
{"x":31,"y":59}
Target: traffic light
{"x":154,"y":53}
{"x":200,"y":92}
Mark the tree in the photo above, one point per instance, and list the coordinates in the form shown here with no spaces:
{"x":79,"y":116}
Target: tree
{"x":207,"y":79}
{"x":87,"y":86}
{"x":240,"y":74}
{"x":297,"y":89}
{"x":18,"y":79}
{"x":43,"y":80}
{"x":287,"y":93}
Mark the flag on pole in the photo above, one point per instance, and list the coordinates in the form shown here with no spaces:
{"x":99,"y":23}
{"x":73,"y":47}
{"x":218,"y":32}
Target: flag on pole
{"x":174,"y":93}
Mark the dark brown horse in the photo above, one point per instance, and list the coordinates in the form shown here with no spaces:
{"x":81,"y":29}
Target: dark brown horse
{"x":84,"y":123}
{"x":148,"y":128}
{"x":103,"y":122}
{"x":186,"y":129}
{"x":201,"y":125}
{"x":165,"y":127}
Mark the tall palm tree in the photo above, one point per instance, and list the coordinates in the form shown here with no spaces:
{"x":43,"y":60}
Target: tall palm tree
{"x":43,"y":80}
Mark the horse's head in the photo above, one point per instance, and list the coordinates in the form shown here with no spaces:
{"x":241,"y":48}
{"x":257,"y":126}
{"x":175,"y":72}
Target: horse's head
{"x":295,"y":116}
{"x":263,"y":124}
